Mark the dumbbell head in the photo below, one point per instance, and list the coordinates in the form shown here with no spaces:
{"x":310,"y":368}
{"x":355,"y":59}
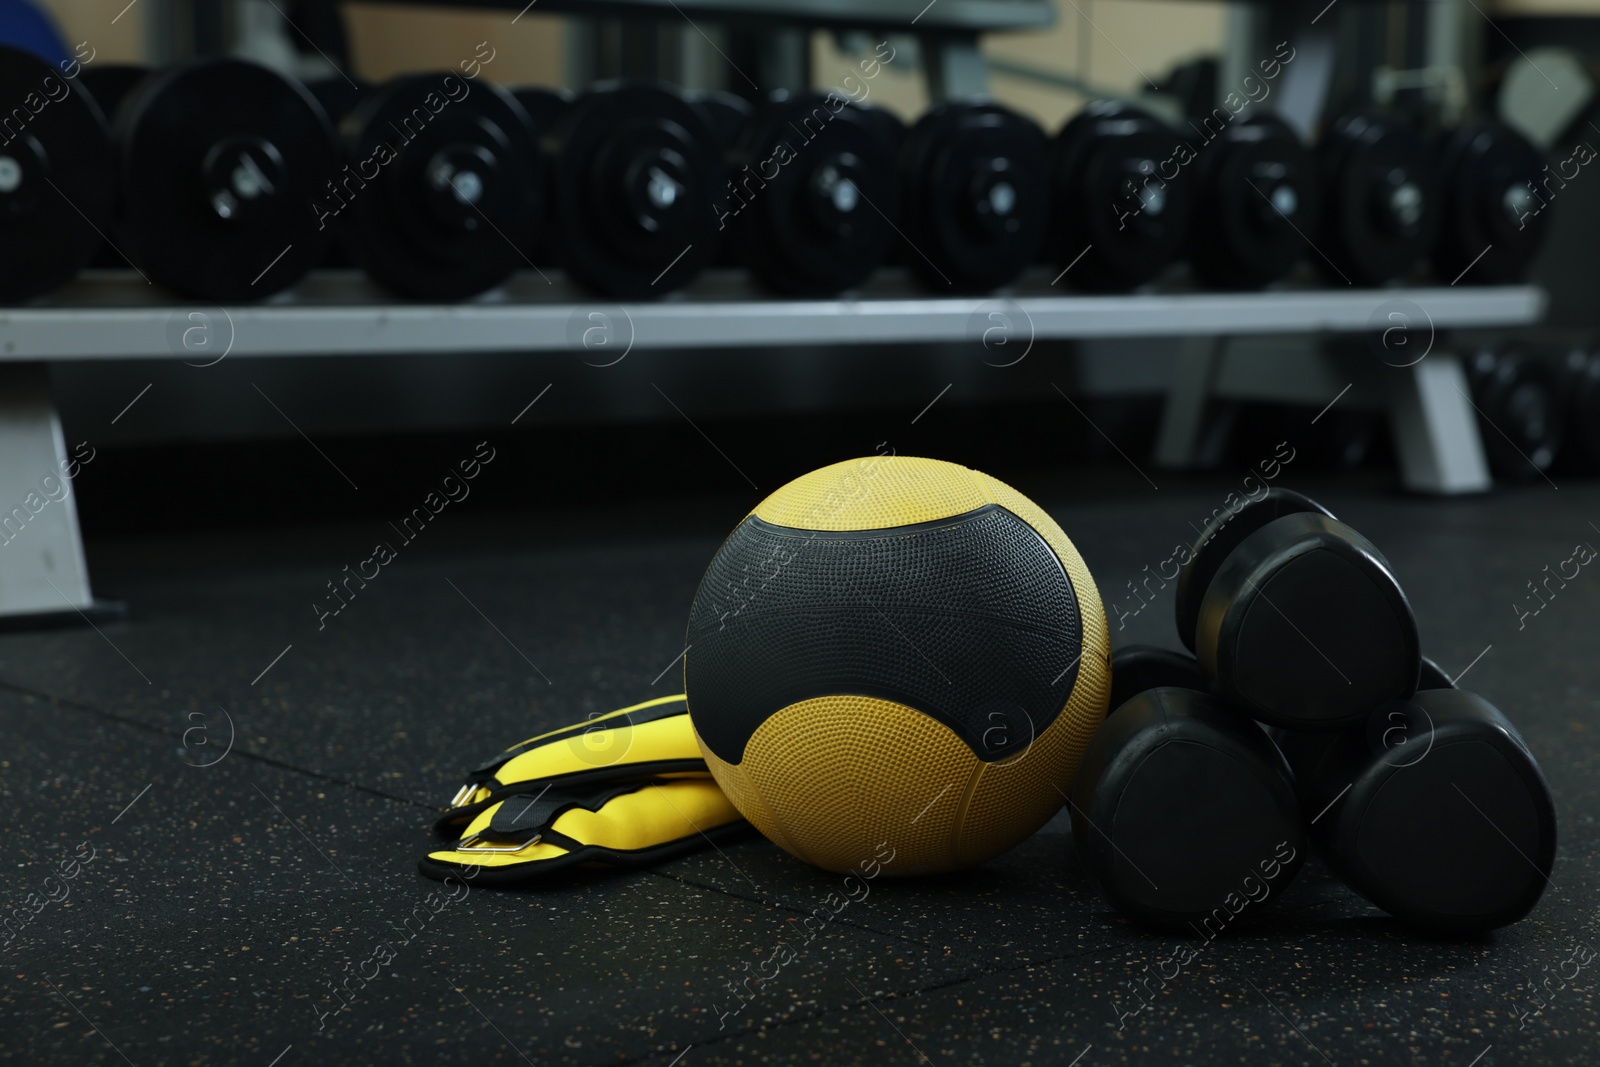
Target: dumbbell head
{"x":1119,"y":197}
{"x":1380,"y":199}
{"x":1256,"y":197}
{"x":1304,"y":625}
{"x":1138,"y":668}
{"x":1183,"y":810}
{"x":1492,"y":222}
{"x":1434,"y":810}
{"x":1520,"y":410}
{"x":441,"y":184}
{"x":813,"y":194}
{"x":1221,"y":535}
{"x":634,"y":174}
{"x":221,"y":162}
{"x":55,"y":177}
{"x":974,"y":195}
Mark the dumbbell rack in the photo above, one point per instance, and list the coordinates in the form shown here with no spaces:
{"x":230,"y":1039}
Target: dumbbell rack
{"x":112,"y":315}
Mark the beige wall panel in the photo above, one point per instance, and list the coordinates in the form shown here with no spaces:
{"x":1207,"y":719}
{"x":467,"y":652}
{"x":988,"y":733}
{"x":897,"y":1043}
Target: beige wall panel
{"x":390,"y":39}
{"x":118,"y":41}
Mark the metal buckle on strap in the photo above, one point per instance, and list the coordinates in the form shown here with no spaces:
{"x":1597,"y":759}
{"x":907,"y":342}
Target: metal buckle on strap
{"x":463,"y":794}
{"x":466,"y":845}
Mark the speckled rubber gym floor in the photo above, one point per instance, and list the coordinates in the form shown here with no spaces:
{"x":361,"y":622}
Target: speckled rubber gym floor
{"x":171,"y":899}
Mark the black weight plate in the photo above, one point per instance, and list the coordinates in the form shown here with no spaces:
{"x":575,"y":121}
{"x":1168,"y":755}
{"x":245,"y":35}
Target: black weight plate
{"x":1181,"y":808}
{"x":544,"y":107}
{"x":221,"y":162}
{"x":1493,"y":223}
{"x":110,"y":83}
{"x":1380,"y":200}
{"x":1305,"y":626}
{"x":1520,"y":412}
{"x":442,"y":185}
{"x":56,"y":177}
{"x":1224,"y":532}
{"x":1256,"y":198}
{"x":635,"y":178}
{"x":1113,"y":202}
{"x":815,"y":195}
{"x":974,"y":195}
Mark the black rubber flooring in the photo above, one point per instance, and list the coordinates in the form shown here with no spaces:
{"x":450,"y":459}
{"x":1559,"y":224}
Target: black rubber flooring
{"x":213,"y":905}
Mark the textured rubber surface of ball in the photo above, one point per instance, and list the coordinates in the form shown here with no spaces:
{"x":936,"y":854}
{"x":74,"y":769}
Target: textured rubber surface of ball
{"x":896,"y":650}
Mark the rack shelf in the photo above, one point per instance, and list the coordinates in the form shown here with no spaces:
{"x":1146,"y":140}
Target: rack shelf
{"x":115,"y":315}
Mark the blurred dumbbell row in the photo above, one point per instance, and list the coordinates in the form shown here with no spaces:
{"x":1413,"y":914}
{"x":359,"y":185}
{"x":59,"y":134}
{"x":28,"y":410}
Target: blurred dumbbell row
{"x":1538,"y":411}
{"x":224,"y":180}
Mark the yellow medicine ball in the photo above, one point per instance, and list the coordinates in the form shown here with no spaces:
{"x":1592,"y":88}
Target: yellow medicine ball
{"x":896,"y":656}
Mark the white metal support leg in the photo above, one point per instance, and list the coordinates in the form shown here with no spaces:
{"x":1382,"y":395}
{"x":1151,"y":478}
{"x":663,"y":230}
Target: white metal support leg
{"x":42,"y":567}
{"x":1436,"y":428}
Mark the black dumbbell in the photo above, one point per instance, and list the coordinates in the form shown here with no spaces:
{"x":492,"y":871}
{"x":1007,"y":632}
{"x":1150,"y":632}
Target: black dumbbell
{"x":633,"y":178}
{"x":220,"y":163}
{"x":1256,"y":199}
{"x":1519,"y":412}
{"x":56,"y":183}
{"x":1434,"y":810}
{"x":1119,"y":199}
{"x":973,"y":195}
{"x":1296,"y":618}
{"x":441,"y":185}
{"x":1136,"y":668}
{"x":544,"y":107}
{"x":1580,"y":443}
{"x":1492,"y":222}
{"x":1380,"y":199}
{"x":1183,"y":812}
{"x":813,"y":194}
